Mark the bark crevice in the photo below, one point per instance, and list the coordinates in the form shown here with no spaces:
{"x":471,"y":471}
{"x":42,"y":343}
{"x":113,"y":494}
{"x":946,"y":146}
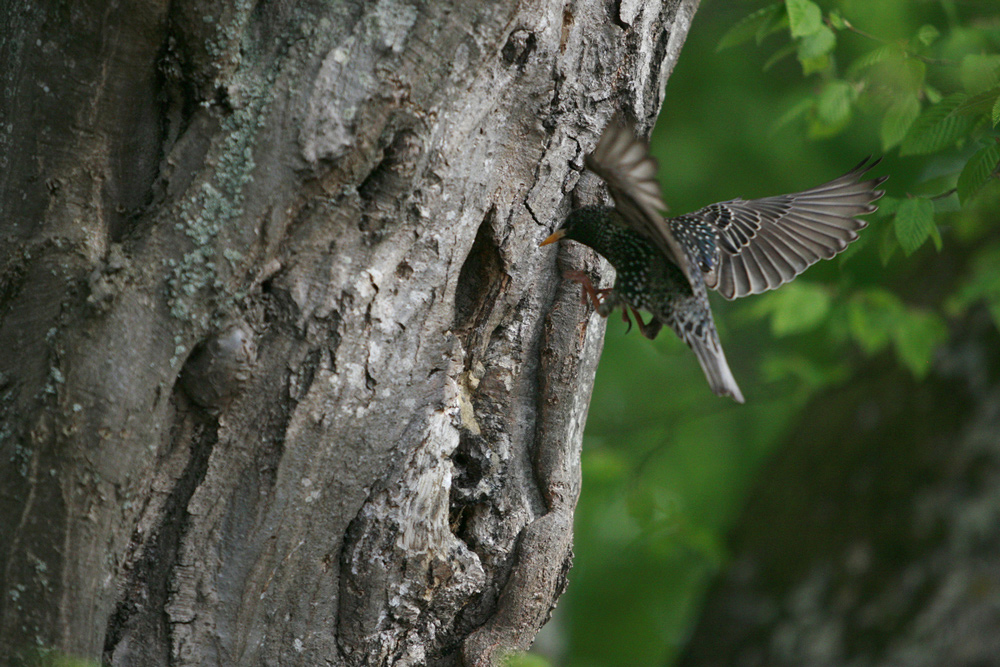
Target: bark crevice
{"x":364,"y":186}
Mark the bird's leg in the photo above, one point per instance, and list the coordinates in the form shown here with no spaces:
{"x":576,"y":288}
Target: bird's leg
{"x":649,"y":330}
{"x":606,"y":300}
{"x":627,"y":320}
{"x":596,"y":296}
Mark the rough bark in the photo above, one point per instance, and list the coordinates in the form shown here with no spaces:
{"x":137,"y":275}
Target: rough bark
{"x":284,"y":376}
{"x":873,"y":539}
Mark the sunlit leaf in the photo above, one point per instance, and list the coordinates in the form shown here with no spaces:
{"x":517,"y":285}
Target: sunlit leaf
{"x":833,"y":109}
{"x":980,"y":167}
{"x":897,"y":120}
{"x":979,"y":72}
{"x":937,"y":128}
{"x":872,"y":315}
{"x":797,"y":307}
{"x":928,"y":34}
{"x":836,"y":20}
{"x":890,"y":72}
{"x":804,"y":17}
{"x":913,"y":223}
{"x":917,"y":336}
{"x":748,"y":27}
{"x":834,"y":104}
{"x":996,"y":112}
{"x":814,"y":50}
{"x":874,"y":57}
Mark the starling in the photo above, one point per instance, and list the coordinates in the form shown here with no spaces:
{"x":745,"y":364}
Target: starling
{"x":737,"y":247}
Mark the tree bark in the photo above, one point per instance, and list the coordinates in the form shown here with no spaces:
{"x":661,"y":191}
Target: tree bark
{"x":284,"y":377}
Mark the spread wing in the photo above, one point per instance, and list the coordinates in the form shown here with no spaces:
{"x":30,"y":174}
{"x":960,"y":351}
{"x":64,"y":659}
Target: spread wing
{"x":764,"y":243}
{"x":624,"y":163}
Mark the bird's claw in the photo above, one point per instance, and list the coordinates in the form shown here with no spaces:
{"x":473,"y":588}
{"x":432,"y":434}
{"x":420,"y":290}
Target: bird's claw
{"x":591,"y":293}
{"x":599,"y":297}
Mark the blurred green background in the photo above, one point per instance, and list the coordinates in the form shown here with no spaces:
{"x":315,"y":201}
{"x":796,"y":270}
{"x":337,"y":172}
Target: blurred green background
{"x":801,"y":92}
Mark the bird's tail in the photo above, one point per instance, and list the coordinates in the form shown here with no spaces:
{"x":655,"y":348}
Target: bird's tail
{"x":713,"y":363}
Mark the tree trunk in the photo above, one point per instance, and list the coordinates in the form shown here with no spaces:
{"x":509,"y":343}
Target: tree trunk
{"x":284,"y":376}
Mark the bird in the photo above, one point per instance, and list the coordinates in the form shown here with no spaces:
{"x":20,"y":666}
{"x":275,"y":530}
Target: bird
{"x":739,"y":247}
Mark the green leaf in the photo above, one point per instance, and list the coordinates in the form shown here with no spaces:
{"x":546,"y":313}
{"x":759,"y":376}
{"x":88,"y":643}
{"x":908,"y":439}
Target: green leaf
{"x":887,"y":206}
{"x":747,"y":28}
{"x":836,"y":20}
{"x":979,"y":72}
{"x":798,"y":307}
{"x":780,"y":54}
{"x":872,"y":316}
{"x":778,"y":23}
{"x":996,"y":112}
{"x":983,"y":284}
{"x":913,"y":74}
{"x":932,"y":94}
{"x":937,"y":128}
{"x":927,"y":34}
{"x":874,"y":57}
{"x":834,"y":104}
{"x":800,"y":109}
{"x":936,"y":237}
{"x":833,"y":109}
{"x":981,"y":167}
{"x":890,"y":71}
{"x":518,"y":659}
{"x":877,"y":316}
{"x":917,"y":336}
{"x":804,"y":17}
{"x":815,"y":49}
{"x":808,"y":371}
{"x":981,"y":103}
{"x":897,"y":120}
{"x":913,"y":223}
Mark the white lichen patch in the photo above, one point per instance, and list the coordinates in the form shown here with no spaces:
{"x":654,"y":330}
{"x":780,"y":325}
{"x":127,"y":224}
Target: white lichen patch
{"x":394,"y":20}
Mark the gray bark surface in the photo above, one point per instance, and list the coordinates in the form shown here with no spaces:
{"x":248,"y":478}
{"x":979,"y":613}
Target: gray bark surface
{"x":284,"y":378}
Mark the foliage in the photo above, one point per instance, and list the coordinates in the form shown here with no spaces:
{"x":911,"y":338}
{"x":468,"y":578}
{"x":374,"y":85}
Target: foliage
{"x":773,"y":97}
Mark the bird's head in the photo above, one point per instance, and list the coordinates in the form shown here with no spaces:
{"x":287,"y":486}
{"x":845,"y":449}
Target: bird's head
{"x":583,"y":225}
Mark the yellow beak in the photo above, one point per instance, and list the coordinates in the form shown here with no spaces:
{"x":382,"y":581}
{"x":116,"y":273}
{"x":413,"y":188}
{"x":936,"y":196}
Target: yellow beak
{"x":559,"y":233}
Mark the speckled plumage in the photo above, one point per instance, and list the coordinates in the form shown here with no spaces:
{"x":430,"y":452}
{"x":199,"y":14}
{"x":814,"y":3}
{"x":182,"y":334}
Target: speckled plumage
{"x":737,"y":247}
{"x":646,"y":280}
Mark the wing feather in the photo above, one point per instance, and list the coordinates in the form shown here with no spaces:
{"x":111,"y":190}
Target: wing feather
{"x":766,"y":242}
{"x":623,"y":161}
